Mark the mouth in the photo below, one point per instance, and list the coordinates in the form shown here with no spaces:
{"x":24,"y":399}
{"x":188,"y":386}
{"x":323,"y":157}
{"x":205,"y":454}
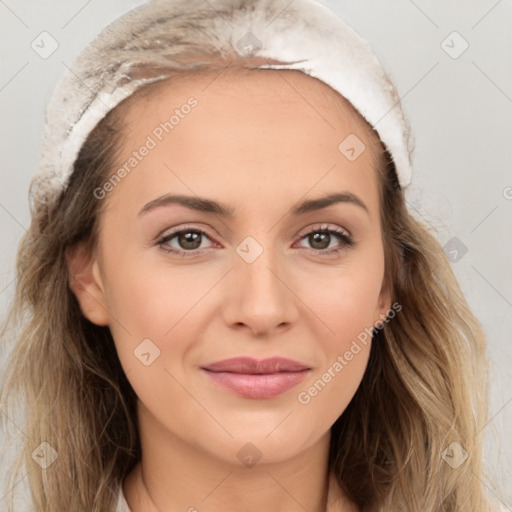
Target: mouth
{"x":257,"y":379}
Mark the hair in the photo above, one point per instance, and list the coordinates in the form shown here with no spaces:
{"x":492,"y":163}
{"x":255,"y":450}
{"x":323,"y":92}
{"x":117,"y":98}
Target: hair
{"x":424,"y":388}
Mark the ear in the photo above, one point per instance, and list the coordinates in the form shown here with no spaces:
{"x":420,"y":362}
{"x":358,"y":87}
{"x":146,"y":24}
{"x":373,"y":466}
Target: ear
{"x":86,"y":283}
{"x":383,"y":304}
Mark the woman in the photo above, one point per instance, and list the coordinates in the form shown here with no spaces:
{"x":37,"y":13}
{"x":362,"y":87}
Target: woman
{"x":237,"y":308}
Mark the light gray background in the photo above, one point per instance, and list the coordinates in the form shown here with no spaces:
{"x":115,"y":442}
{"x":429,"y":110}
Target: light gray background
{"x":460,"y":111}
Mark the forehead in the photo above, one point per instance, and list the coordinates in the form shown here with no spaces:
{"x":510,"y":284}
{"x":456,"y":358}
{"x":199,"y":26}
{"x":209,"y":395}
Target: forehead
{"x":250,"y":130}
{"x":291,"y":89}
{"x":265,"y":85}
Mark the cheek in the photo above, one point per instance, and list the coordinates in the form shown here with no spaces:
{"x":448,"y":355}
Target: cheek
{"x":345,"y":304}
{"x":156,"y":310}
{"x":345,"y":299}
{"x":167,"y":304}
{"x":323,"y":398}
{"x":151,"y":300}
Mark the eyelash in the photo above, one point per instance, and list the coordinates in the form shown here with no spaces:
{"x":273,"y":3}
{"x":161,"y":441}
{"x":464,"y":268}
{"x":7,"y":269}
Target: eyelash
{"x":346,"y":239}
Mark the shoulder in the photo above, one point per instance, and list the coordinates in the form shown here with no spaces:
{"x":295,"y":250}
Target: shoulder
{"x":122,"y":505}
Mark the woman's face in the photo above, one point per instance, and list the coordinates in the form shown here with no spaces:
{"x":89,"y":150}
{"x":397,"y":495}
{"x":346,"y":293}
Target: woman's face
{"x":182,"y":287}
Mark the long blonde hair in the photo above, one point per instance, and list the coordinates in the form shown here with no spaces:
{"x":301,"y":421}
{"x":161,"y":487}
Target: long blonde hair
{"x":423,"y":394}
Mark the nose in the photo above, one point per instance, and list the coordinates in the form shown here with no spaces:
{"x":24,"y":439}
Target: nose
{"x":259,"y":296}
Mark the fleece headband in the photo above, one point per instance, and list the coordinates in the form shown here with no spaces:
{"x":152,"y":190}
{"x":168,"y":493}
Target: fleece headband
{"x":303,"y":32}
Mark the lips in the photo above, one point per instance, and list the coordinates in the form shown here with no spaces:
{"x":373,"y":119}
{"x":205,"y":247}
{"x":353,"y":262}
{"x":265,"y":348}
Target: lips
{"x":252,"y":378}
{"x":252,"y":366}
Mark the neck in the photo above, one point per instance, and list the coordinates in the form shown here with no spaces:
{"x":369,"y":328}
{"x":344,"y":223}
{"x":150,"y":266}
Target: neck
{"x":174,"y":475}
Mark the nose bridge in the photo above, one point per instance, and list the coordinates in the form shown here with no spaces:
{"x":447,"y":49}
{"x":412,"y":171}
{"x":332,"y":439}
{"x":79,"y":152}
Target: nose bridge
{"x":260,"y":298}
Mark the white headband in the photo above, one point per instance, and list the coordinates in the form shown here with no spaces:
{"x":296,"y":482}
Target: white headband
{"x":305,"y":32}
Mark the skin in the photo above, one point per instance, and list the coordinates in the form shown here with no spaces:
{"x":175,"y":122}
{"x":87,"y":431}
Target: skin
{"x":260,"y":142}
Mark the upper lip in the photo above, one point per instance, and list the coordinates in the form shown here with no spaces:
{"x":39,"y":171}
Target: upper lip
{"x":250,"y":365}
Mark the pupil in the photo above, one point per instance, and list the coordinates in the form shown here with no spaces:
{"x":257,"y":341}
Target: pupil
{"x":320,"y":237}
{"x":189,"y":239}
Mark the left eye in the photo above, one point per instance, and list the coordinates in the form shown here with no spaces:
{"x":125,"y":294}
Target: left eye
{"x":190,"y":240}
{"x":324,"y":236}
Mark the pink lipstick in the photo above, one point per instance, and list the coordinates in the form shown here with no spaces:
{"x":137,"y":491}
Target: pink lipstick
{"x":253,"y":378}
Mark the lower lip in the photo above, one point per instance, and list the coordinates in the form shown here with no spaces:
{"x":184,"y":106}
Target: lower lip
{"x":267,"y":385}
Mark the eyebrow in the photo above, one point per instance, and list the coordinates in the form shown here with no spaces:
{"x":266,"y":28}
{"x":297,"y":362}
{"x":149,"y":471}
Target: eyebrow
{"x":209,"y":206}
